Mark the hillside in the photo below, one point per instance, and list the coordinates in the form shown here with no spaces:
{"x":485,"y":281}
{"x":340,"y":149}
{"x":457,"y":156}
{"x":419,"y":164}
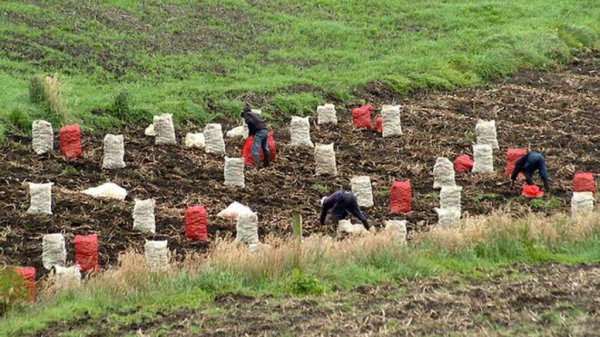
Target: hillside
{"x":203,"y":61}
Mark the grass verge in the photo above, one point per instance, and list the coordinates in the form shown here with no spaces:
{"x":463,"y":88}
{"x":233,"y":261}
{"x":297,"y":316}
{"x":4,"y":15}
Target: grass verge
{"x":482,"y":247}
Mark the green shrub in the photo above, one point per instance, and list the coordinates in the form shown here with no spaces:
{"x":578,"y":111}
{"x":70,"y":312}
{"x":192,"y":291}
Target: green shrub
{"x":303,"y":284}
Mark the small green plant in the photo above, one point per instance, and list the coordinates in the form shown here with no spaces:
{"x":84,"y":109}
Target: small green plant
{"x":68,"y":170}
{"x":303,"y":284}
{"x":319,"y":188}
{"x":468,"y":137}
{"x":552,"y":203}
{"x":480,"y":196}
{"x":433,"y":194}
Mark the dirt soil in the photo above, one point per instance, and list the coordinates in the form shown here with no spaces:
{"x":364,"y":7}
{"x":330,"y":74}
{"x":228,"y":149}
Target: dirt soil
{"x":555,"y":113}
{"x":544,"y":300}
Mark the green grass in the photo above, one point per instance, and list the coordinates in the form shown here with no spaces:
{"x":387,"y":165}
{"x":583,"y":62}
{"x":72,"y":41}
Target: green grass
{"x":422,"y":260}
{"x":202,"y":61}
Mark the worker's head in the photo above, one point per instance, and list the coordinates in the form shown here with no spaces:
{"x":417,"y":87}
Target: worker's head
{"x":246,"y":109}
{"x":323,"y":200}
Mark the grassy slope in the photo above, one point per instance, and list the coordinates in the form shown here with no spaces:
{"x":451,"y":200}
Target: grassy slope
{"x":201,"y":61}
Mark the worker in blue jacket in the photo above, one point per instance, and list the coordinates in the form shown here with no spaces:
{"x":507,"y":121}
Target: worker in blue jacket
{"x":342,"y":202}
{"x":528,"y":164}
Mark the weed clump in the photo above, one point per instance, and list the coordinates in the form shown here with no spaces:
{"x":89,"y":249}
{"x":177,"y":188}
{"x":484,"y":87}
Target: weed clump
{"x":47,"y":91}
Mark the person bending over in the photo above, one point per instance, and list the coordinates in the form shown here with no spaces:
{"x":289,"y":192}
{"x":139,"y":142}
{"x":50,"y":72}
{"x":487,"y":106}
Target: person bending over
{"x":342,"y":202}
{"x":528,"y":164}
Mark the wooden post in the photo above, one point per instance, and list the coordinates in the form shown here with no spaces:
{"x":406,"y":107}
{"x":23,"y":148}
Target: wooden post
{"x":297,"y":237}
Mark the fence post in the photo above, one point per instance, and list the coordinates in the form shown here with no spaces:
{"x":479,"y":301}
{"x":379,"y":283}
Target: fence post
{"x":297,"y":237}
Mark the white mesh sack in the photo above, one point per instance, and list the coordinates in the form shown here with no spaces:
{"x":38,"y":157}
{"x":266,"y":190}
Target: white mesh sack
{"x":40,"y":196}
{"x":448,"y":217}
{"x":450,"y":197}
{"x":300,"y":132}
{"x":107,"y":190}
{"x":53,"y":250}
{"x":213,"y":136}
{"x":233,"y":211}
{"x":194,"y":139}
{"x":582,"y":203}
{"x":156,"y":254}
{"x":149,"y":131}
{"x":397,"y":229}
{"x":361,"y":187}
{"x":67,"y":278}
{"x":234,"y":172}
{"x":42,"y":136}
{"x":485,"y":131}
{"x":443,"y":173}
{"x":114,"y":151}
{"x":247,"y":228}
{"x":325,"y":160}
{"x":483,"y":159}
{"x":326,"y":114}
{"x":345,"y":226}
{"x":143,"y":215}
{"x":390,"y":121}
{"x":165,"y":131}
{"x":238,"y":131}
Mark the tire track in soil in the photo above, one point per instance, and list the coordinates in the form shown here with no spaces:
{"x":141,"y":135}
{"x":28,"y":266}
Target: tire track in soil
{"x":555,"y":113}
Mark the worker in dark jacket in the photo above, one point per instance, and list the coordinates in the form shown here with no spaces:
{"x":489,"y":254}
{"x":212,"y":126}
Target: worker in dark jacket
{"x":342,"y":202}
{"x":258,"y":129}
{"x":528,"y":164}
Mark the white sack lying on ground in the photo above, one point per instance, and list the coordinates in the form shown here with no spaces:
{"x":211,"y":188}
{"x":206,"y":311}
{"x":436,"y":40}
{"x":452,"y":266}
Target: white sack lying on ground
{"x":194,"y":140}
{"x":149,"y":131}
{"x":107,"y":190}
{"x":234,"y":210}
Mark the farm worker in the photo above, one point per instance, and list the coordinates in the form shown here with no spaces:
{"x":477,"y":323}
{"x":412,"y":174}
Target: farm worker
{"x":342,"y":202}
{"x":258,"y":129}
{"x":528,"y":164}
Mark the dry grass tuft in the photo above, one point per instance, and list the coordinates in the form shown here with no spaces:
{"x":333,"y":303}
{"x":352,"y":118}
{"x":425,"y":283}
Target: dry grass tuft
{"x":48,"y":90}
{"x":535,"y":228}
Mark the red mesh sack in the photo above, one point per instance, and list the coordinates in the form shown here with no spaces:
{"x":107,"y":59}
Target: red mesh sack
{"x":463,"y":164}
{"x":196,"y":223}
{"x":70,"y":141}
{"x":512,"y":155}
{"x":361,"y":117}
{"x":401,"y":197}
{"x":247,"y":149}
{"x":531,"y":191}
{"x":86,"y":252}
{"x":379,"y":124}
{"x":27,"y":274}
{"x":584,"y":182}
